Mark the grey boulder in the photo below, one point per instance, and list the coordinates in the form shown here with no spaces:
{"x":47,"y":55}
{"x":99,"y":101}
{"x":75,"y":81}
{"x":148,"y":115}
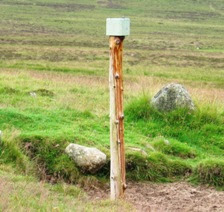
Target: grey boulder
{"x":172,"y":96}
{"x":86,"y":158}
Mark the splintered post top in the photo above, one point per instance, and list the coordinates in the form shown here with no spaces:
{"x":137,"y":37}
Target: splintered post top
{"x":118,"y":26}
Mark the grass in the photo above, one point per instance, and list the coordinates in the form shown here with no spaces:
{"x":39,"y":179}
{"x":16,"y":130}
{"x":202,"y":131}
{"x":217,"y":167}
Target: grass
{"x":156,"y":167}
{"x":175,"y":142}
{"x":194,"y":138}
{"x":54,"y":89}
{"x":174,"y":147}
{"x":211,"y":172}
{"x":26,"y":193}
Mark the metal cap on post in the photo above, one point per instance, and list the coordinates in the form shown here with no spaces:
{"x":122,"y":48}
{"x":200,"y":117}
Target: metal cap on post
{"x":117,"y":29}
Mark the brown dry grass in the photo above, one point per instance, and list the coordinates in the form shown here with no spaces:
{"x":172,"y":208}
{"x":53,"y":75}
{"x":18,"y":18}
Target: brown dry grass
{"x":20,"y":193}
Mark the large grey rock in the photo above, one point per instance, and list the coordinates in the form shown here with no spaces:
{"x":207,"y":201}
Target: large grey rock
{"x":88,"y":159}
{"x":171,"y":97}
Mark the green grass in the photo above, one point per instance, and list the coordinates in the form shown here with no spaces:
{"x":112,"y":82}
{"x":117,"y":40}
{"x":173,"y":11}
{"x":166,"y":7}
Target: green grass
{"x":211,"y":172}
{"x":174,"y":147}
{"x":189,"y":137}
{"x":175,"y":142}
{"x":202,"y":128}
{"x":54,"y":88}
{"x":156,"y":167}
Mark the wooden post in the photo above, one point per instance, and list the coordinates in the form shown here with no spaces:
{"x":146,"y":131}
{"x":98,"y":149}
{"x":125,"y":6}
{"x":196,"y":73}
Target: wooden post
{"x":117,"y":29}
{"x":117,"y":172}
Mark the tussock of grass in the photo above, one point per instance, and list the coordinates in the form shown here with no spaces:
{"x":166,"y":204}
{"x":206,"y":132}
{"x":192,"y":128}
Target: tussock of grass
{"x":51,"y":159}
{"x":211,"y":171}
{"x":155,"y":167}
{"x":173,"y":147}
{"x":138,"y":109}
{"x":11,"y":152}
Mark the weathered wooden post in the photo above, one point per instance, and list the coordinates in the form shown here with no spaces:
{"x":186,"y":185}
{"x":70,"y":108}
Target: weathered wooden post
{"x":117,"y":29}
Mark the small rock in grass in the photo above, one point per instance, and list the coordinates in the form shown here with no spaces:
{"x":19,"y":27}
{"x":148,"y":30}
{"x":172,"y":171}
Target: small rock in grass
{"x":144,"y":153}
{"x":172,"y":96}
{"x":33,"y":94}
{"x":166,"y":142}
{"x":87,"y":159}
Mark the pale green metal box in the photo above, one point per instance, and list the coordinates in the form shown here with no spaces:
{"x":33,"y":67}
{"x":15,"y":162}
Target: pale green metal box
{"x":118,"y":26}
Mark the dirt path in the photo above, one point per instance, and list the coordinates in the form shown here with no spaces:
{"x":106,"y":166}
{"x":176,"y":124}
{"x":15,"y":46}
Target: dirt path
{"x":173,"y":197}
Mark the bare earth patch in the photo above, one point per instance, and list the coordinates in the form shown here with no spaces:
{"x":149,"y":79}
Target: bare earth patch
{"x":172,"y":197}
